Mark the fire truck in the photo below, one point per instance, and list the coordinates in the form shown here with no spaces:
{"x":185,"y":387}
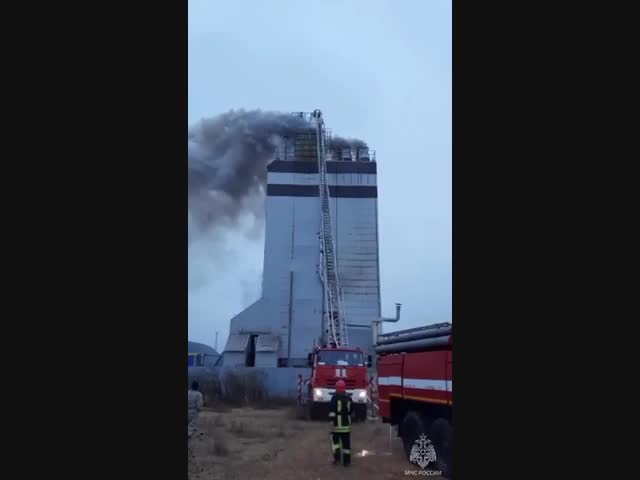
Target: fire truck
{"x":330,"y":364}
{"x":415,"y":388}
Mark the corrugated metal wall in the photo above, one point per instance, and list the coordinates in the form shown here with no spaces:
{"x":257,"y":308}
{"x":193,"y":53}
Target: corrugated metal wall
{"x":292,"y":295}
{"x":290,"y":270}
{"x":290,"y":275}
{"x":355,"y":224}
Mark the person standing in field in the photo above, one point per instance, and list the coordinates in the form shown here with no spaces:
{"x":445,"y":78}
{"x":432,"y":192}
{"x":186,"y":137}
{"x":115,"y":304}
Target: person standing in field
{"x":194,"y":406}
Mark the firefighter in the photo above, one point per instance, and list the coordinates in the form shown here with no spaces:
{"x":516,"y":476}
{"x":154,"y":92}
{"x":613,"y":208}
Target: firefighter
{"x":194,"y":405}
{"x":340,"y":418}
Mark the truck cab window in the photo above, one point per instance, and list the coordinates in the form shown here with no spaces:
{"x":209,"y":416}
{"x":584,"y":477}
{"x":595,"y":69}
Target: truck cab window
{"x":333,"y":357}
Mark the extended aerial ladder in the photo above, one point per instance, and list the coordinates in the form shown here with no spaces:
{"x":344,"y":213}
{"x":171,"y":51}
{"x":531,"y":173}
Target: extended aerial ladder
{"x":334,"y":318}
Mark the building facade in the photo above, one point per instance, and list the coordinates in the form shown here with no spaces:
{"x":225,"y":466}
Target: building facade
{"x":285,"y":324}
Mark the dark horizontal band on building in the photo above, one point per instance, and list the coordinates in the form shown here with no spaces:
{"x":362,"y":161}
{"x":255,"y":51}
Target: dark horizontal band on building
{"x":282,"y":166}
{"x":337,"y":191}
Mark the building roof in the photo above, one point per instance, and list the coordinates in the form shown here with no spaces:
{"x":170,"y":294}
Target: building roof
{"x":195,"y":347}
{"x":237,"y":342}
{"x":267,"y":343}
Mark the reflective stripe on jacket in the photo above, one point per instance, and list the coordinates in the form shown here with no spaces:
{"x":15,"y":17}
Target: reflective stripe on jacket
{"x":340,"y":412}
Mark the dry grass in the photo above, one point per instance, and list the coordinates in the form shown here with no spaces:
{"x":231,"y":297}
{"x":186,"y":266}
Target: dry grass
{"x":242,"y":429}
{"x":298,"y":426}
{"x":218,"y":443}
{"x":220,"y":447}
{"x":297,"y":412}
{"x":233,"y":451}
{"x":219,"y":421}
{"x":237,"y":427}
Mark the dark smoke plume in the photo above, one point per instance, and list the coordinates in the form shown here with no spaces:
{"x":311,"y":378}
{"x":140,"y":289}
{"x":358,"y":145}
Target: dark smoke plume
{"x":228,"y":156}
{"x":338,"y":143}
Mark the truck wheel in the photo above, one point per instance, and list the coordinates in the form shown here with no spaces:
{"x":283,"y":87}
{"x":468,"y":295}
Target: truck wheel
{"x":441,"y":434}
{"x":412,"y":427}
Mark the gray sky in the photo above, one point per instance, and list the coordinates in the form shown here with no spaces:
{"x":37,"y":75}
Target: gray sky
{"x":379,"y":71}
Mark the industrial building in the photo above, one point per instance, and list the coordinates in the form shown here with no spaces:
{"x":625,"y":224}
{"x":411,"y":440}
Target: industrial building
{"x":287,"y":321}
{"x":201,"y":355}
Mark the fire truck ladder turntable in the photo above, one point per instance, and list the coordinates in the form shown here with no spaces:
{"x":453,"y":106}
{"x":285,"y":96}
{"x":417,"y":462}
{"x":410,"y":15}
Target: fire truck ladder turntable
{"x":334,"y":317}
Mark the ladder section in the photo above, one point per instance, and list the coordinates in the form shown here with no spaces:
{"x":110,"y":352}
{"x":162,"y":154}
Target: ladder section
{"x":333,"y":302}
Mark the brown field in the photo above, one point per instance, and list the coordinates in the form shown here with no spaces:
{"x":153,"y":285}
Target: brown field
{"x":272,"y":444}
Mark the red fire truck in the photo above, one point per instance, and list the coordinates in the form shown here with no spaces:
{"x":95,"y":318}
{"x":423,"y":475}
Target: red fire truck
{"x":415,"y":387}
{"x":330,"y":364}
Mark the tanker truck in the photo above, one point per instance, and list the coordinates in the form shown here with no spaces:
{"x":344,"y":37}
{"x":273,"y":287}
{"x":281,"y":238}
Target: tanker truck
{"x":415,"y":389}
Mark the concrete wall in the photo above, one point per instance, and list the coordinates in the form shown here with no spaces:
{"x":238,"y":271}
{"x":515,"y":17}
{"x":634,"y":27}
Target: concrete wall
{"x":281,"y":382}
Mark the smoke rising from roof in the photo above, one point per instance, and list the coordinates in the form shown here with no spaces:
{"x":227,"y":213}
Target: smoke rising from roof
{"x":227,"y":173}
{"x":338,"y":143}
{"x":228,"y":155}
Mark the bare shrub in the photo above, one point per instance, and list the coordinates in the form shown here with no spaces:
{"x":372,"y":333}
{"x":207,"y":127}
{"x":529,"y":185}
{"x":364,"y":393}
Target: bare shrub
{"x":211,"y":389}
{"x":233,"y":389}
{"x":243,"y":389}
{"x":255,"y":388}
{"x":223,"y":390}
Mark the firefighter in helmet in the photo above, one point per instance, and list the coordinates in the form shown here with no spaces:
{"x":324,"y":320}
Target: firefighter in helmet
{"x":340,"y":416}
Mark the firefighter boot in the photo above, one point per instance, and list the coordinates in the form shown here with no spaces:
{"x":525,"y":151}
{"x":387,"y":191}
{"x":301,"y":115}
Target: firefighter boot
{"x":345,"y":447}
{"x":335,"y":448}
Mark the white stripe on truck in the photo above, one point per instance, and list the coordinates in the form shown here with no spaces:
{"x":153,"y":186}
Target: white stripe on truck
{"x":418,"y":383}
{"x":389,"y":381}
